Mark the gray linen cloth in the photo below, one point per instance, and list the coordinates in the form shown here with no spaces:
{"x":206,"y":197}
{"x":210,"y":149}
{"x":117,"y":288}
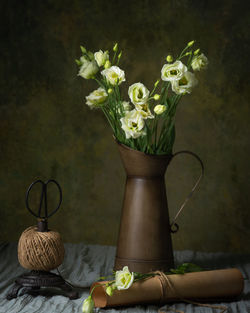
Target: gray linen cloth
{"x":83,"y":264}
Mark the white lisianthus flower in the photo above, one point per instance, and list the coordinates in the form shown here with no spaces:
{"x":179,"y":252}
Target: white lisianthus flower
{"x":88,"y":305}
{"x":88,"y":69}
{"x":124,"y":279}
{"x":144,"y":110}
{"x":185,"y":84}
{"x":174,"y":71}
{"x":138,"y":93}
{"x":133,"y":124}
{"x":159,"y":109}
{"x":114,"y":75}
{"x":101,"y":57}
{"x":199,"y":62}
{"x":96,"y":98}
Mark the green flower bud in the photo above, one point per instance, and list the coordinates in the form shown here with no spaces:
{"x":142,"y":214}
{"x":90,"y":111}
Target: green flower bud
{"x":78,"y":62}
{"x":115,"y":48}
{"x":110,"y":90}
{"x":196,"y":51}
{"x":83,"y":49}
{"x":109,"y":291}
{"x":156,"y":83}
{"x":190,"y":43}
{"x":159,"y":109}
{"x":88,"y":305}
{"x":91,"y":55}
{"x":157,"y":97}
{"x":188,"y":53}
{"x":119,"y":55}
{"x":107,"y":64}
{"x":169,"y":58}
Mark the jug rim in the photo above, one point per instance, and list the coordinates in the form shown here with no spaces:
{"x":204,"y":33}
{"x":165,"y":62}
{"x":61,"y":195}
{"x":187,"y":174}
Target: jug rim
{"x":160,"y":156}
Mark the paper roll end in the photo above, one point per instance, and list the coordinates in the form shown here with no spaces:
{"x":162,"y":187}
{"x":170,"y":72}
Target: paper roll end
{"x":99,"y":295}
{"x":240,"y":279}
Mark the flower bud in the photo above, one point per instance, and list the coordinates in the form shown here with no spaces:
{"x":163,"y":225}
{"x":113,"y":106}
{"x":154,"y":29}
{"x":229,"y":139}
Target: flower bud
{"x":159,"y":109}
{"x":107,"y":64}
{"x":115,"y":48}
{"x":156,"y":83}
{"x":190,"y":43}
{"x":88,"y":305}
{"x":119,"y":55}
{"x":109,"y":291}
{"x":157,"y":97}
{"x":83,"y":49}
{"x":110,"y":90}
{"x":169,"y":58}
{"x":188,"y":53}
{"x":91,"y":55}
{"x":196,"y":51}
{"x":78,"y":62}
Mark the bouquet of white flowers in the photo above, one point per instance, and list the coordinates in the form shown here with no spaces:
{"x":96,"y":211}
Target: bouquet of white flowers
{"x":146,"y":123}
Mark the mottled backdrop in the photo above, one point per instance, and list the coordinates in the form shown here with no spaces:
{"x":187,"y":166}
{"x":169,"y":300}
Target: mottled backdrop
{"x":47,"y":131}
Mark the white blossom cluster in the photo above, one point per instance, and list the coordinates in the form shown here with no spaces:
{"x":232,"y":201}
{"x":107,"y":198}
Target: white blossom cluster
{"x":132,"y":115}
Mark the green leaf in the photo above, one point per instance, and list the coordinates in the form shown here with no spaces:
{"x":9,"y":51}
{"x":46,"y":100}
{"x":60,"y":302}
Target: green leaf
{"x":186,"y":268}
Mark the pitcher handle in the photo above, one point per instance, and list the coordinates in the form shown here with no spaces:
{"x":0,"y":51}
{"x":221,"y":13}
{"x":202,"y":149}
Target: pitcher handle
{"x":174,"y":227}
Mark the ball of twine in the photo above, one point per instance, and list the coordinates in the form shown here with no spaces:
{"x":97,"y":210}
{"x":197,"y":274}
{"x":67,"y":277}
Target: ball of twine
{"x":42,"y":251}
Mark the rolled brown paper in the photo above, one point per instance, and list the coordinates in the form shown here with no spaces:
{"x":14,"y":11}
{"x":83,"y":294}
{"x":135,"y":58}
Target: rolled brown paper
{"x":227,"y":283}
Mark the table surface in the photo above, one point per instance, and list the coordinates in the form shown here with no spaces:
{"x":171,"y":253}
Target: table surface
{"x":83,"y":264}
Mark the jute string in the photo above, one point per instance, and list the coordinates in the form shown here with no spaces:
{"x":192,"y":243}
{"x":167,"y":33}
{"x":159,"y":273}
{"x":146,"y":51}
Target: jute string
{"x":40,"y":250}
{"x":167,"y":284}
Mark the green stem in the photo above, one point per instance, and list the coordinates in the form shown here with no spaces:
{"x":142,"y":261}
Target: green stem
{"x":182,"y":52}
{"x":153,"y":90}
{"x":169,"y":122}
{"x":190,"y":60}
{"x":113,"y":60}
{"x":109,"y":120}
{"x":163,"y":89}
{"x":165,"y":93}
{"x":155,"y":130}
{"x":100,"y":83}
{"x":92,"y":290}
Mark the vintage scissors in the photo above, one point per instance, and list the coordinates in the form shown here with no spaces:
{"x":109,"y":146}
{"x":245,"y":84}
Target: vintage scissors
{"x":43,"y":199}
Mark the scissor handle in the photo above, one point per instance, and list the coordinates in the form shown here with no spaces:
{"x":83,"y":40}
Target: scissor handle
{"x":43,"y":196}
{"x":174,"y":226}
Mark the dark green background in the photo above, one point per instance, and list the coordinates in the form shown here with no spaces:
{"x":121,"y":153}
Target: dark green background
{"x":47,"y":131}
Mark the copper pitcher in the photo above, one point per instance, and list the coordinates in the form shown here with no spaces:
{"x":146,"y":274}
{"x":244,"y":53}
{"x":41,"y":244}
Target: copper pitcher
{"x":144,"y":241}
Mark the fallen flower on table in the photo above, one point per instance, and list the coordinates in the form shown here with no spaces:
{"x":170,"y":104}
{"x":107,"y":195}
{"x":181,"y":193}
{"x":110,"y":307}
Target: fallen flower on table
{"x":124,"y":279}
